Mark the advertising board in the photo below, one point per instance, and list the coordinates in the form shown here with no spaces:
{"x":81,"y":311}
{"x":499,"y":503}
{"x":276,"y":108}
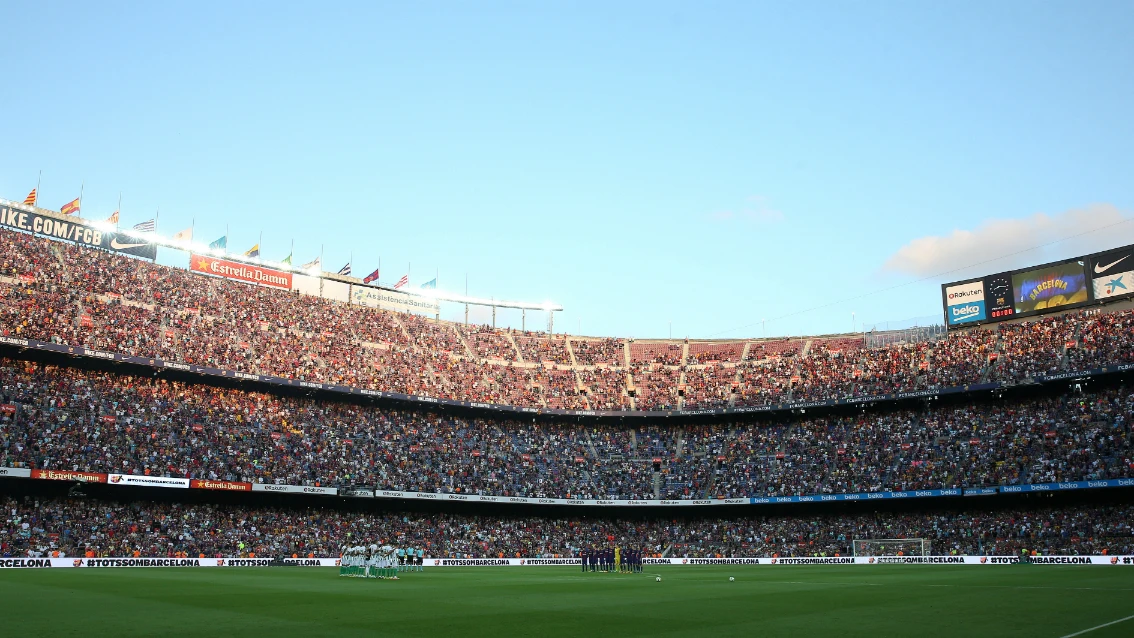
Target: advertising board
{"x":240,"y":272}
{"x":1112,"y":273}
{"x":965,"y":302}
{"x":393,"y":300}
{"x":76,"y":231}
{"x":1041,"y":289}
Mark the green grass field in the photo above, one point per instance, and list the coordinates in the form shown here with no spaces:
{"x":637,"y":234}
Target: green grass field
{"x":889,"y":600}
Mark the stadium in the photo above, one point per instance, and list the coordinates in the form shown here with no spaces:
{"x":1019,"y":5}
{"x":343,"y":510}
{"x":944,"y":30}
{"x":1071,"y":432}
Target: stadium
{"x":198,"y":441}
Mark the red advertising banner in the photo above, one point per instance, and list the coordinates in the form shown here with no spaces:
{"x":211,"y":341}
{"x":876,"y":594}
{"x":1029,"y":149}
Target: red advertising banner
{"x":66,"y":475}
{"x":229,"y":486}
{"x":240,"y":272}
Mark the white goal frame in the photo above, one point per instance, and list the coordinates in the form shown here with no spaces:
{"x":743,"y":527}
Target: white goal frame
{"x":890,"y":546}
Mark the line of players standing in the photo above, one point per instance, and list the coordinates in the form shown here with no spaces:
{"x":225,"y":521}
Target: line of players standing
{"x":612,"y":560}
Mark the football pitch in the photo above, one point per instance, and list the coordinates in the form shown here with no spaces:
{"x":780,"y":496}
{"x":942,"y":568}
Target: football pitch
{"x":797,"y":600}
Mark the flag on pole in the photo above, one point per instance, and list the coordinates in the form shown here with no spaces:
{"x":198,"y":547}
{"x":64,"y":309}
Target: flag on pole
{"x":345,"y":270}
{"x":184,"y":235}
{"x":372,"y":276}
{"x":430,"y":285}
{"x":314,"y":263}
{"x":113,"y":219}
{"x":147,"y":226}
{"x":71,"y":207}
{"x":253,"y":251}
{"x":401,"y":282}
{"x":221,"y":243}
{"x":30,"y":199}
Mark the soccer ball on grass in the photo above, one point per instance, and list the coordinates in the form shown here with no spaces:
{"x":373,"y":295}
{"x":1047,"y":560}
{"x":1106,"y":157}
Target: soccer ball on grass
{"x":659,"y":579}
{"x":730,"y":579}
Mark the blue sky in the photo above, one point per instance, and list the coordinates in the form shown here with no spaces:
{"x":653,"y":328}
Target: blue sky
{"x":645,"y":164}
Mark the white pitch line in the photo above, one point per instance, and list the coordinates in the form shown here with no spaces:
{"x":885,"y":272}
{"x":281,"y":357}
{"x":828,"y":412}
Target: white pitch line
{"x":1113,"y":622}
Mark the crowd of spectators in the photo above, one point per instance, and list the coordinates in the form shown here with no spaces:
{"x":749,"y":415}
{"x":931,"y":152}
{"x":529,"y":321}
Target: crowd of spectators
{"x":548,"y":349}
{"x":95,"y":528}
{"x":488,"y":343}
{"x":71,"y":419}
{"x":67,"y":294}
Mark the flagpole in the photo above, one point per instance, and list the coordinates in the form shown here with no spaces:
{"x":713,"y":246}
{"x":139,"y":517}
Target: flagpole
{"x":82,"y":186}
{"x":118,"y":211}
{"x":260,"y":245}
{"x":225,"y":249}
{"x":157,"y":214}
{"x":38,"y":181}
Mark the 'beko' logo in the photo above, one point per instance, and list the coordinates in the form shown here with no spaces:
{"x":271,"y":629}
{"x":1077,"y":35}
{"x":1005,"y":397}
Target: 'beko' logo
{"x":963,"y":312}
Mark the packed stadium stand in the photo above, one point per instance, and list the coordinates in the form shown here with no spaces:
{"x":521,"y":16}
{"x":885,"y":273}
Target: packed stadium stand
{"x":69,"y":414}
{"x":95,"y":528}
{"x":64,"y":418}
{"x":65,"y":294}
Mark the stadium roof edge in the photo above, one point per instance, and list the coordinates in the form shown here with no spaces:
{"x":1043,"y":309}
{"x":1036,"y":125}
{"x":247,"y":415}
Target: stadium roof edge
{"x":191,"y":246}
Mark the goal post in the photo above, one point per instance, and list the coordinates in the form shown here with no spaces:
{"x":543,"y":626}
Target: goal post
{"x":891,"y":547}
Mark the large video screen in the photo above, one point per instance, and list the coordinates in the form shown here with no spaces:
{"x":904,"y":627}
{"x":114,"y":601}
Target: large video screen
{"x":1102,"y":277}
{"x":1050,"y":287}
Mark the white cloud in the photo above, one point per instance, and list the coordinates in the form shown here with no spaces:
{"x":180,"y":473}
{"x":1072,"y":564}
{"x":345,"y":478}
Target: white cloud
{"x":1004,"y":244}
{"x":755,"y":209}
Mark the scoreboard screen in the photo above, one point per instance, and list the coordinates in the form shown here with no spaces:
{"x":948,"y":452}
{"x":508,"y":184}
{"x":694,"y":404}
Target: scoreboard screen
{"x":1036,"y":290}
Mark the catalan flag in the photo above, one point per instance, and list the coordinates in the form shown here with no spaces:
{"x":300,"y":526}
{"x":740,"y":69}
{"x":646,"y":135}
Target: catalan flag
{"x":71,"y":207}
{"x":31,"y":198}
{"x":113,"y":219}
{"x":401,"y":282}
{"x":253,"y":251}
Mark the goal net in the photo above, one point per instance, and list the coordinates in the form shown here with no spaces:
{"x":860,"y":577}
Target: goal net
{"x":891,"y":547}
